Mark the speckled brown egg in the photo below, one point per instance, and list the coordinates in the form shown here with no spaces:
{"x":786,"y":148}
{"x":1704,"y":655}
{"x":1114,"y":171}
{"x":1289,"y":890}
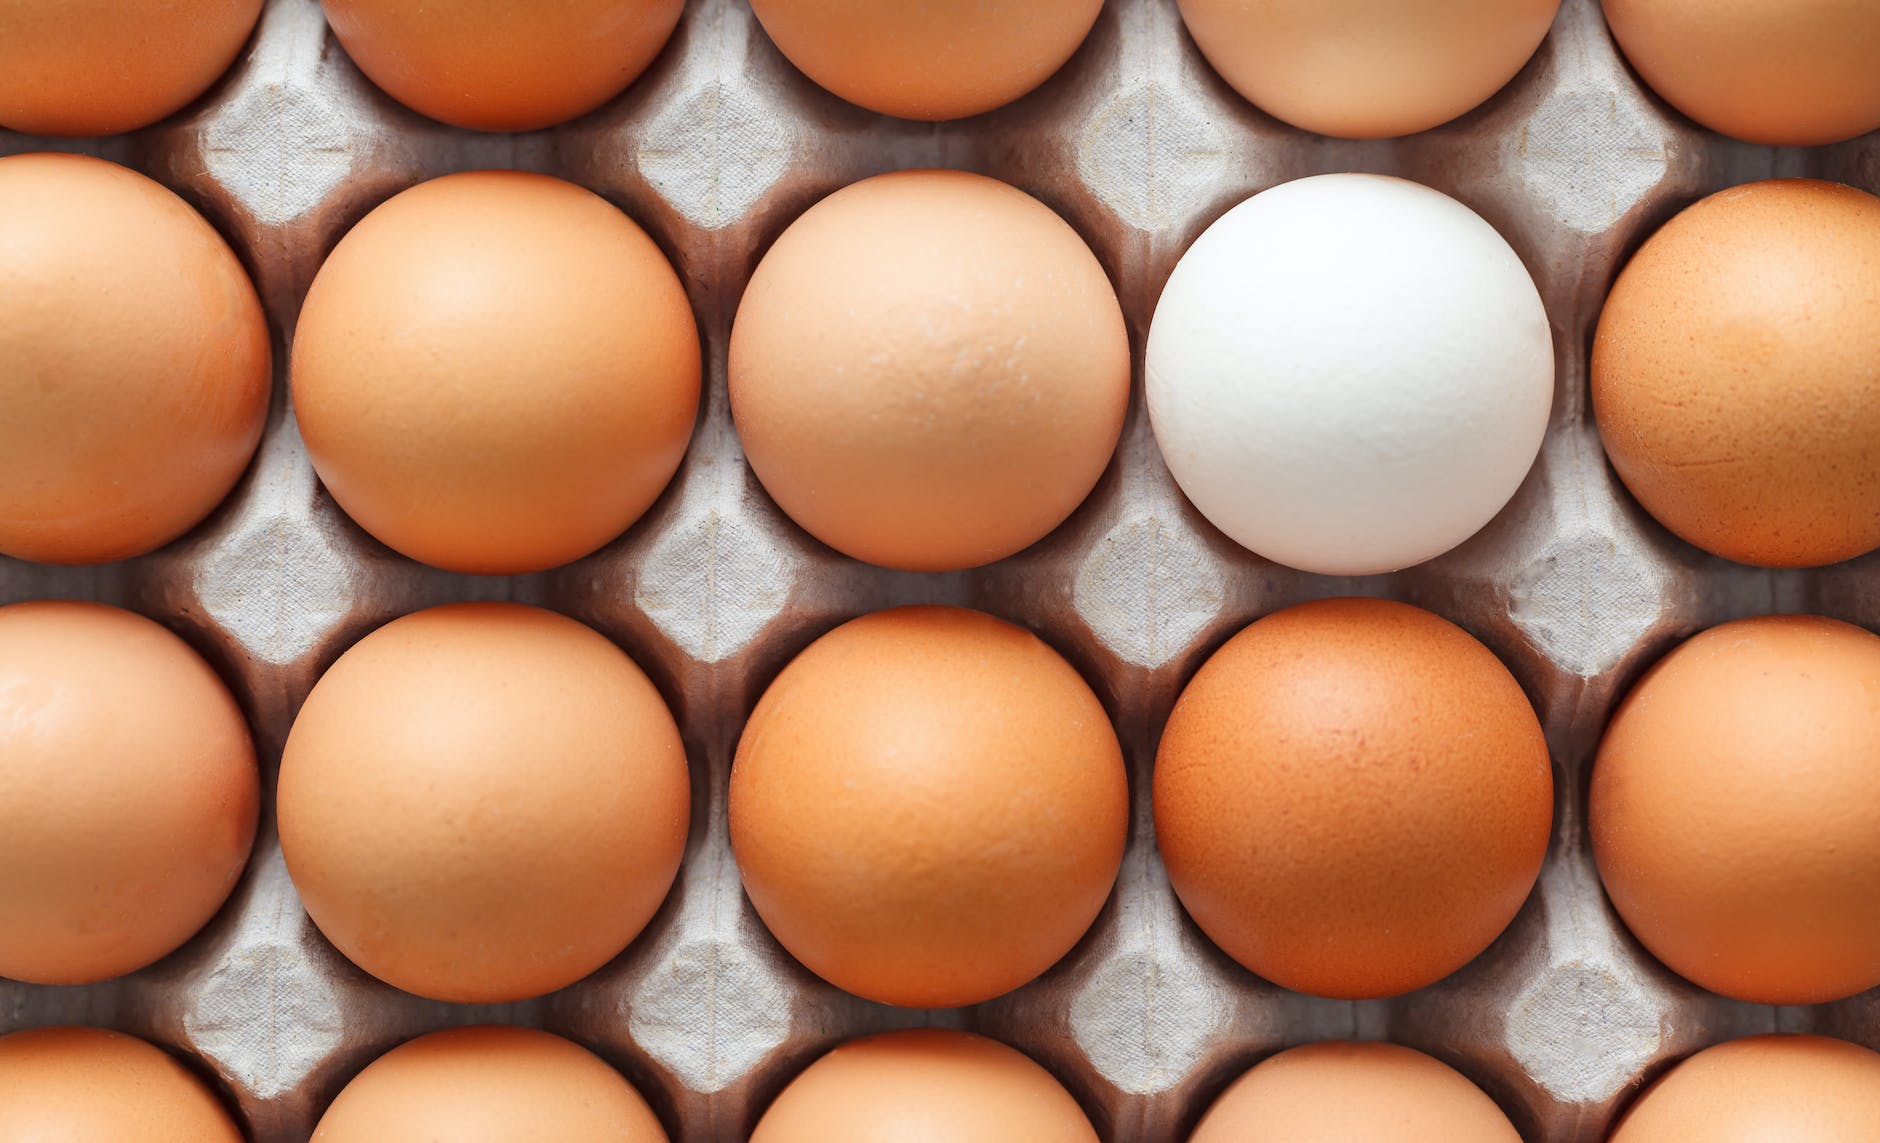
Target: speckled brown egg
{"x":88,"y":1085}
{"x":1353,"y":798}
{"x":1733,"y":374}
{"x":1763,"y":1089}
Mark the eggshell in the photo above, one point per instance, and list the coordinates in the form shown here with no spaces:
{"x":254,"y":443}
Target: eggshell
{"x":1796,"y":73}
{"x":1733,"y":373}
{"x":496,"y":372}
{"x":1350,"y":374}
{"x":1368,"y":69}
{"x":489,"y":1084}
{"x":1353,"y":798}
{"x":87,"y":1085}
{"x":928,"y":60}
{"x":131,"y":792}
{"x":1765,"y":1089}
{"x":98,"y":67}
{"x":928,"y":807}
{"x":496,"y":65}
{"x":1736,"y":810}
{"x":483,"y":802}
{"x":927,"y":1085}
{"x":1353,"y":1093}
{"x":136,"y":368}
{"x":929,"y":370}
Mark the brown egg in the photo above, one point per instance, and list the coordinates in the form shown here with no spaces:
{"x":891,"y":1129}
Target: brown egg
{"x":483,"y":802}
{"x":88,"y":1085}
{"x":1736,"y":810}
{"x":1368,"y":69}
{"x":929,"y":370}
{"x":1764,"y":1089}
{"x":1733,"y":374}
{"x":131,"y":792}
{"x":926,"y":1085}
{"x":1783,"y":72}
{"x":928,"y":60}
{"x":496,"y":372}
{"x":489,"y":1084}
{"x":928,"y":807}
{"x":98,"y":67}
{"x":136,"y":370}
{"x":496,"y":65}
{"x":1353,"y":1093}
{"x":1353,"y":798}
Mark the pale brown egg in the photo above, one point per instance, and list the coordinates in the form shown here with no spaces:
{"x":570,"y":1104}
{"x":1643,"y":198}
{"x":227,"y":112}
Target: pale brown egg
{"x":1353,"y":1093}
{"x":135,"y":377}
{"x":929,"y":370}
{"x":483,"y":802}
{"x":1368,"y":69}
{"x":1353,"y":798}
{"x":1784,"y":72}
{"x":496,"y":372}
{"x":928,"y":60}
{"x":489,"y":1084}
{"x":1764,"y":1089}
{"x":99,"y":67}
{"x":89,"y":1085}
{"x":928,"y":807}
{"x":131,"y":792}
{"x":927,"y":1085}
{"x":1733,"y":373}
{"x":1736,"y":810}
{"x":497,"y":65}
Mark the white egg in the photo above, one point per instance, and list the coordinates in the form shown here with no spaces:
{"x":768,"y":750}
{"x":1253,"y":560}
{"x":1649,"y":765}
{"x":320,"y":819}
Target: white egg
{"x":1350,"y":374}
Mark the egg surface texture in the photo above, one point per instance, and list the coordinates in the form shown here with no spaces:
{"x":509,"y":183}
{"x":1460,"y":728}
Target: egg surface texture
{"x":80,"y":68}
{"x":483,"y":802}
{"x":928,"y":807}
{"x":1353,"y":1093}
{"x":496,"y":372}
{"x":1368,"y":69}
{"x":489,"y":1084}
{"x":134,"y":362}
{"x":1353,"y":798}
{"x":1350,"y":374}
{"x":1736,"y":810}
{"x":928,"y":59}
{"x":131,"y":792}
{"x":1733,"y":374}
{"x":925,"y":1085}
{"x":87,"y":1085}
{"x":929,"y":370}
{"x":1765,"y":1089}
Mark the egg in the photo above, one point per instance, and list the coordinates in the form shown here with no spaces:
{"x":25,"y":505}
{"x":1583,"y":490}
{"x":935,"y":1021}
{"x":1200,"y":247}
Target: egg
{"x":1770,"y":1089}
{"x":1353,"y":1093}
{"x":929,"y":370}
{"x":1353,"y":797}
{"x":98,"y":67}
{"x":489,"y":1084}
{"x":1796,"y":73}
{"x":483,"y":802}
{"x":131,"y":792}
{"x":496,"y":372}
{"x":1736,"y":810}
{"x":495,"y":65}
{"x":1368,"y":69}
{"x":942,"y":60}
{"x":135,"y":378}
{"x":88,"y":1085}
{"x":1350,"y":374}
{"x":926,"y":1085}
{"x":1733,"y":373}
{"x":928,"y":807}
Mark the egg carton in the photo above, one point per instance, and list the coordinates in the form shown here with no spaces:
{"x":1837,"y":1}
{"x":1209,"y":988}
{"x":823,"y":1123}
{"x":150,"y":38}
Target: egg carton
{"x":1139,"y":145}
